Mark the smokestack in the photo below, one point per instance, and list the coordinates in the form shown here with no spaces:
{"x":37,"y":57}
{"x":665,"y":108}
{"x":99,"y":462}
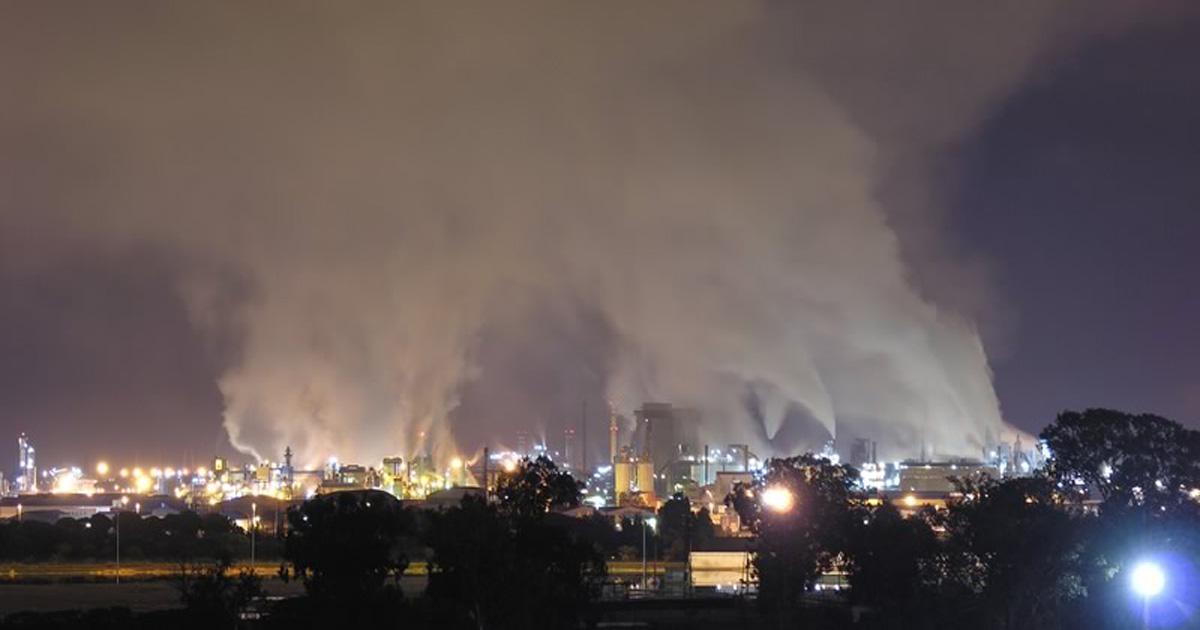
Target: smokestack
{"x":613,"y":434}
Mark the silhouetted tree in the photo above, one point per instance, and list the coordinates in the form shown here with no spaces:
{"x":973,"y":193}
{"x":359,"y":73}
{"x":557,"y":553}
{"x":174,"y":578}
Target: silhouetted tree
{"x":795,"y":545}
{"x":537,"y":486}
{"x":1016,"y":550}
{"x":888,"y":557}
{"x":347,"y":545}
{"x":215,"y":596}
{"x":679,"y":529}
{"x":1132,"y":460}
{"x":514,"y":565}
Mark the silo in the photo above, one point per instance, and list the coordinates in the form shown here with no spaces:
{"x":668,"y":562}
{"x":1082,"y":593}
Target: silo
{"x":622,"y":478}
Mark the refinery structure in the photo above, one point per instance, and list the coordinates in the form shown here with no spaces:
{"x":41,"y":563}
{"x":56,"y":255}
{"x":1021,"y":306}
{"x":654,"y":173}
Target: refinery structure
{"x":652,"y":454}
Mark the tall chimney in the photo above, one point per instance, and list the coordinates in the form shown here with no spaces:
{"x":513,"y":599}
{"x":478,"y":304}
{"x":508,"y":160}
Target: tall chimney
{"x":613,"y":431}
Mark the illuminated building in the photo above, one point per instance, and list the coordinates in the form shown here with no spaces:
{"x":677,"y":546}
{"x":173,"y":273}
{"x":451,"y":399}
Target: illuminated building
{"x":26,"y":466}
{"x":934,"y":477}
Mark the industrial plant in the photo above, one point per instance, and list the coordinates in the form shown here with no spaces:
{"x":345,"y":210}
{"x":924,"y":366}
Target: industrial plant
{"x":653,"y":454}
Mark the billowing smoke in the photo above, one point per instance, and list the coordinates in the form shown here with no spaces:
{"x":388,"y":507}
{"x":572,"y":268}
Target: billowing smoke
{"x":725,"y":204}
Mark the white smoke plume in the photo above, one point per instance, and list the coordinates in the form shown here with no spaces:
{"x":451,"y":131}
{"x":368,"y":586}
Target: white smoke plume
{"x":359,"y":195}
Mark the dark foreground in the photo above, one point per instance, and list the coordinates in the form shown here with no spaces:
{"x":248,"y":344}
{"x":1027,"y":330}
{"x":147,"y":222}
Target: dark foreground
{"x":718,"y":613}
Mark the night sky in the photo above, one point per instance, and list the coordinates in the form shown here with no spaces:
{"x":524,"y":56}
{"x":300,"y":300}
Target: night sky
{"x":1083,"y":192}
{"x":1079,"y":192}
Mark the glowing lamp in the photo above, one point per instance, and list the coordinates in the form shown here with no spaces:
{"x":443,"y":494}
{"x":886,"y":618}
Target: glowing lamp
{"x":778,"y":499}
{"x":1147,"y":579}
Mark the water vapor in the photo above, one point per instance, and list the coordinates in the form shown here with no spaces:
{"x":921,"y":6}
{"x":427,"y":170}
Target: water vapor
{"x":703,"y":200}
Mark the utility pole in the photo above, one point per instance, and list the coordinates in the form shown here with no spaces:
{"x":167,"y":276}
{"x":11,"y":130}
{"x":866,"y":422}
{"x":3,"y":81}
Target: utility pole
{"x":486,"y":457}
{"x":253,"y":531}
{"x":643,"y":553}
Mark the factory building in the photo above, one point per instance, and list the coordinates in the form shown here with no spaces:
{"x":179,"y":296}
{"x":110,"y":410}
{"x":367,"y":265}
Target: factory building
{"x":667,"y":435}
{"x":935,"y":477}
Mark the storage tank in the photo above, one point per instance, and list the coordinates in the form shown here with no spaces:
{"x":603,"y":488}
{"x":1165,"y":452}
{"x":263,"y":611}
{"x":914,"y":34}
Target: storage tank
{"x":622,"y":478}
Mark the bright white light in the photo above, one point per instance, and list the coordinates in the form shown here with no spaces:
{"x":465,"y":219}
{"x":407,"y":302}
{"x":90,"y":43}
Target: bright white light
{"x":102,"y":468}
{"x":778,"y":499}
{"x":1147,"y":579}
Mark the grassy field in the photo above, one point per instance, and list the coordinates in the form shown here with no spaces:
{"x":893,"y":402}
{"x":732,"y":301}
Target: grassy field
{"x":138,"y":596}
{"x":145,"y":586}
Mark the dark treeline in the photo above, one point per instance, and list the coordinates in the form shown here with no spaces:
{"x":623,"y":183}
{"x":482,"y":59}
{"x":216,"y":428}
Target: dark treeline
{"x":512,"y":563}
{"x":175,"y":537}
{"x":189,"y":536}
{"x":1050,"y":550}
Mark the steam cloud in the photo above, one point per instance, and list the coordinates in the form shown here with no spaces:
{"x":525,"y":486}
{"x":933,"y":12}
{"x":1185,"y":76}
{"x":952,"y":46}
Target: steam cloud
{"x":712,"y":203}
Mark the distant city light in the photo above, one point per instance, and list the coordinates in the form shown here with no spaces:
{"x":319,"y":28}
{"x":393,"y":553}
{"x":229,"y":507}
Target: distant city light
{"x":102,"y":468}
